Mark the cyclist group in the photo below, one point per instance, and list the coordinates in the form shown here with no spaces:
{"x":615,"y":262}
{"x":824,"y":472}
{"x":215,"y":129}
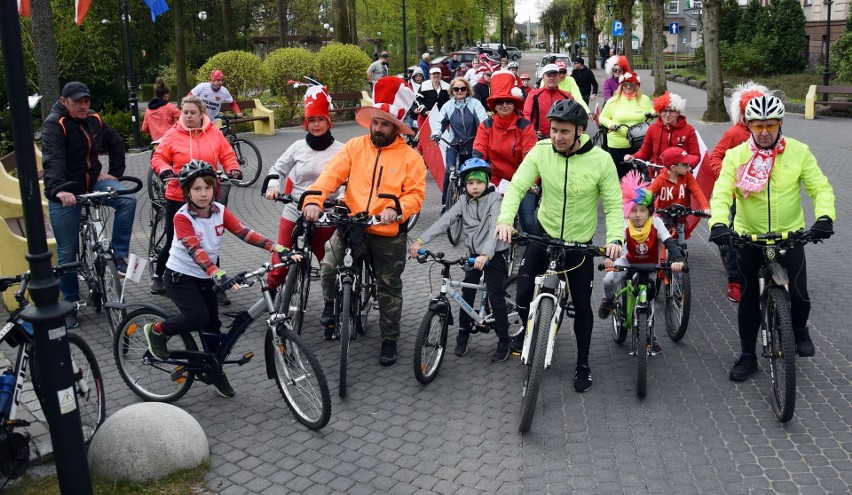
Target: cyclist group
{"x":564,"y":172}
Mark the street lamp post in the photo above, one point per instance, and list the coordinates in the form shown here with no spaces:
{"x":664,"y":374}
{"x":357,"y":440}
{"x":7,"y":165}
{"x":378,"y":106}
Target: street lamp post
{"x":329,"y":30}
{"x":131,"y":77}
{"x":502,"y":44}
{"x":826,"y":71}
{"x":404,"y":45}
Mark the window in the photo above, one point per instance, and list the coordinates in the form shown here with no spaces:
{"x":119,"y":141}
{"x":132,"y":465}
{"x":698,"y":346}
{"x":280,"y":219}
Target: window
{"x":673,"y":7}
{"x":696,"y":4}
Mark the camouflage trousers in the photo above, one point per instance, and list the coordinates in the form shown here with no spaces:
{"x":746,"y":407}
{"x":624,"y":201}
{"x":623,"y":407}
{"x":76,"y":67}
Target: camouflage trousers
{"x":387,"y":255}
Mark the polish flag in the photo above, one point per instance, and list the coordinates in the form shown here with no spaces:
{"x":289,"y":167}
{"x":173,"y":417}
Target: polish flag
{"x":704,"y":176}
{"x":24,"y":7}
{"x":81,"y":8}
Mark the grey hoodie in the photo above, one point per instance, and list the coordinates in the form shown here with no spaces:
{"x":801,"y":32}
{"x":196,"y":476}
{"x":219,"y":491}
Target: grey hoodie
{"x":479,"y":220}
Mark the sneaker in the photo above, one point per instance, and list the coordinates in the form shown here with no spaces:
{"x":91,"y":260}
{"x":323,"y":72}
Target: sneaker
{"x":121,"y":266}
{"x":156,"y":342}
{"x":516,"y":344}
{"x":734,"y":291}
{"x":388,"y":355}
{"x":745,"y":366}
{"x":582,"y":379}
{"x":223,"y":299}
{"x":655,"y":347}
{"x":605,"y":309}
{"x":71,"y":322}
{"x":501,"y":353}
{"x":327,"y":320}
{"x":157,"y":286}
{"x":223,"y":387}
{"x":461,"y":342}
{"x":804,"y":344}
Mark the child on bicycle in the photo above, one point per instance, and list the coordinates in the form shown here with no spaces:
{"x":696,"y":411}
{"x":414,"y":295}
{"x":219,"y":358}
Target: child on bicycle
{"x":677,"y":186}
{"x":190,"y":272}
{"x":479,"y":213}
{"x":644,"y":233}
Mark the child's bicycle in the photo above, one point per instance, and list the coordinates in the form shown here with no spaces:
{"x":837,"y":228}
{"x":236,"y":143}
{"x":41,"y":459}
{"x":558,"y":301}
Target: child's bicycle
{"x":289,"y":361}
{"x":646,"y":169}
{"x":455,"y":188}
{"x":430,"y":346}
{"x":676,"y":286}
{"x":88,"y":386}
{"x":779,"y":340}
{"x":634,"y":309}
{"x":550,"y":302}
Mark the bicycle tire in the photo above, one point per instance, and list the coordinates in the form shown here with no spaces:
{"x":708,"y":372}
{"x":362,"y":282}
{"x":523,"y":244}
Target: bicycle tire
{"x":250,"y":162}
{"x":782,"y":356}
{"x":345,"y":328}
{"x":156,"y":239}
{"x":412,"y":221}
{"x":643,"y":344}
{"x":454,"y":231}
{"x":534,"y":367}
{"x":112,"y":287}
{"x":156,"y":189}
{"x":88,"y":386}
{"x":151,"y":379}
{"x":290,"y":300}
{"x":366,"y":293}
{"x":678,"y":305}
{"x":430,"y":346}
{"x":299,"y":376}
{"x":619,"y":326}
{"x":89,"y":257}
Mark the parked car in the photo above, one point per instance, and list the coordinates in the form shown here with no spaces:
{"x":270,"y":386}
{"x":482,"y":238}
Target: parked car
{"x":514,"y":53}
{"x":541,"y":44}
{"x":440,"y":62}
{"x":551,"y":58}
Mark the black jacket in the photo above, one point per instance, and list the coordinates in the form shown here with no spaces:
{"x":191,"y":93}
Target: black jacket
{"x":71,"y":148}
{"x":586,"y":82}
{"x":481,"y":92}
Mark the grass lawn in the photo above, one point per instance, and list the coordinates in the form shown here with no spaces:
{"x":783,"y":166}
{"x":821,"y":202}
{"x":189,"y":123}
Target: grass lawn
{"x":181,"y":483}
{"x":795,"y":86}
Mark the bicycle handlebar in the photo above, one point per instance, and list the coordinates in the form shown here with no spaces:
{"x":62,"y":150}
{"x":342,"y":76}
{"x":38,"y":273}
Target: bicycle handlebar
{"x":801,"y":237}
{"x":458,"y":144}
{"x":524,"y":238}
{"x":424,"y":255}
{"x":358,"y":217}
{"x":677,"y":211}
{"x":667,"y":267}
{"x":99,"y":194}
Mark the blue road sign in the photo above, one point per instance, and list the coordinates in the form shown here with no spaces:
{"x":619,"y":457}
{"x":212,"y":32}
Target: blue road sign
{"x":583,"y":36}
{"x":674,"y":28}
{"x":617,"y":28}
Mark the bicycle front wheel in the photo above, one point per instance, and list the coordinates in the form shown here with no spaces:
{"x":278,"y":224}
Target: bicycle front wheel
{"x":782,"y":353}
{"x":678,"y":305}
{"x":366,"y":293}
{"x":619,"y":328}
{"x":156,"y":238}
{"x":345,"y":329}
{"x":299,"y":376}
{"x":88,"y":386}
{"x":430,"y":346}
{"x":156,"y":189}
{"x":292,"y":301}
{"x":516,"y":326}
{"x":534,"y":366}
{"x":642,"y":344}
{"x":454,"y":231}
{"x":112,"y":286}
{"x":250,"y":162}
{"x":150,"y":378}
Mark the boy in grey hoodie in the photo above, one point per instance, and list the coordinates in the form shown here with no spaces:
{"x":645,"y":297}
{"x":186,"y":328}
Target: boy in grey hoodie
{"x":479,"y":212}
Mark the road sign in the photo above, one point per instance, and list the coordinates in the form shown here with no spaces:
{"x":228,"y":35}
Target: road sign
{"x":685,"y":40}
{"x":617,"y":28}
{"x":582,"y":36}
{"x":674,"y":28}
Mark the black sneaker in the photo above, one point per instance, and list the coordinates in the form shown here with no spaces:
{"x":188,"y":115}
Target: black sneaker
{"x":327,"y":320}
{"x":71,"y":322}
{"x":804,"y":344}
{"x":745,"y":366}
{"x":582,"y":379}
{"x":156,"y":342}
{"x":655,"y":347}
{"x":605,"y":309}
{"x":461,"y":342}
{"x":222,"y":298}
{"x":157,"y":286}
{"x":388,"y":355}
{"x":223,"y":387}
{"x":121,"y":266}
{"x":501,"y":353}
{"x":516,"y":344}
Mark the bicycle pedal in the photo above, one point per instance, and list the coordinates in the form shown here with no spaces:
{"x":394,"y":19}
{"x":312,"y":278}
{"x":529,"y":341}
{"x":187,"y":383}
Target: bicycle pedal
{"x":246,"y":358}
{"x":17,"y":423}
{"x":178,"y":375}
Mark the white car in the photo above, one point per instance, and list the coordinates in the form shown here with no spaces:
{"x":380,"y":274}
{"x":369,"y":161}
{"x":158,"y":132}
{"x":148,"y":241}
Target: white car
{"x":551,"y":58}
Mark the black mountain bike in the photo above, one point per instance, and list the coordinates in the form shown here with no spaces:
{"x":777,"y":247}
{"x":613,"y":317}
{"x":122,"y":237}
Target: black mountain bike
{"x":247,"y":153}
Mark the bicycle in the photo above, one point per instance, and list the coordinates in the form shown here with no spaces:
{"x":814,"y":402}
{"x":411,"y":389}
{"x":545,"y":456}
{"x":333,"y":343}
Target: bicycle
{"x":98,"y":268}
{"x":431,"y":342}
{"x":456,"y":190}
{"x":247,"y":153}
{"x":635,"y":133}
{"x":634,"y":309}
{"x":644,"y":168}
{"x":779,"y":339}
{"x":544,"y":320}
{"x":88,"y":383}
{"x":289,"y":361}
{"x":677,"y":286}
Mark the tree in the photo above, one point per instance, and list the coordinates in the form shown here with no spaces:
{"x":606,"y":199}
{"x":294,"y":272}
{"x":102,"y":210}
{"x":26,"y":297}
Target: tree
{"x":44,"y":53}
{"x":657,"y":26}
{"x":227,"y":30}
{"x":340,"y":9}
{"x":180,"y":48}
{"x":729,"y":24}
{"x":716,"y":111}
{"x":787,"y":37}
{"x":626,"y":9}
{"x":589,"y":9}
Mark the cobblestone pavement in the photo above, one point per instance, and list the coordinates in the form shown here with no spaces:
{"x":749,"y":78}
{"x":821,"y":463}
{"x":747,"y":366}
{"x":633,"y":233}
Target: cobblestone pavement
{"x":695,"y":432}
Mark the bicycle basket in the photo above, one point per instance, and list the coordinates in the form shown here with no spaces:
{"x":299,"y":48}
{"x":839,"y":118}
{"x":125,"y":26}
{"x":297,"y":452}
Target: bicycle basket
{"x":636,"y":134}
{"x":599,"y":138}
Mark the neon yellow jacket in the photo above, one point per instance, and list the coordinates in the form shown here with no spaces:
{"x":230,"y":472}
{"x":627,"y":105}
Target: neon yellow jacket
{"x":778,"y":208}
{"x":620,"y":110}
{"x":569,"y":84}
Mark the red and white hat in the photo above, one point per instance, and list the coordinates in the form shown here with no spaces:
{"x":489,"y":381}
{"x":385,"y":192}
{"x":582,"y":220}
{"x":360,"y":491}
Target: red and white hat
{"x":216,"y":74}
{"x":317,"y":104}
{"x":561,"y":65}
{"x":392,"y":97}
{"x":630,"y":77}
{"x":502,"y":83}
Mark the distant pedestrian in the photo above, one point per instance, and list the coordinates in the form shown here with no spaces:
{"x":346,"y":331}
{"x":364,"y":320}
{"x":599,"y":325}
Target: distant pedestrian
{"x":585,"y":80}
{"x":604,"y":53}
{"x":378,"y":69}
{"x":161,"y":114}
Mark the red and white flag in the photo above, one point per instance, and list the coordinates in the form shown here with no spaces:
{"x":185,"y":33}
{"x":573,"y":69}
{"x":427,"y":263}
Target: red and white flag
{"x":81,"y":8}
{"x":24,"y":7}
{"x":704,"y":176}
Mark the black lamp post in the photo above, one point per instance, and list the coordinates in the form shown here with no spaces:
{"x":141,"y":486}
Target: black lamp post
{"x":502,"y":44}
{"x":405,"y":74}
{"x":131,"y":77}
{"x":826,"y":71}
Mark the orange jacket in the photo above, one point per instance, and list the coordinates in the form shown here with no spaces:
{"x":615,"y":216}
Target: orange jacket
{"x":395,"y":169}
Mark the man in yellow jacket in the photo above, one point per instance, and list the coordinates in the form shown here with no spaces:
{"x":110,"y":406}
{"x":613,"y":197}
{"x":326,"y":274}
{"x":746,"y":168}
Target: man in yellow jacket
{"x":766,"y":174}
{"x":378,"y":163}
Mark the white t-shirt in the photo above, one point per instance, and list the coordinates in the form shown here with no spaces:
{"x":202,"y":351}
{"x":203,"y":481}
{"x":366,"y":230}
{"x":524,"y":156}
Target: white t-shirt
{"x":213,"y":100}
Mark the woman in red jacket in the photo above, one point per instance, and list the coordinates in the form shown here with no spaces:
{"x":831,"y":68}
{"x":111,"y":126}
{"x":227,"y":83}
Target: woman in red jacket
{"x":504,"y":139}
{"x":194,"y":137}
{"x":670,"y":130}
{"x":161,"y":115}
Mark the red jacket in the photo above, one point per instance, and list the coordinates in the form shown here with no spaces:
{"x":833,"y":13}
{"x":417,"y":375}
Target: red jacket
{"x":159,"y":117}
{"x":678,"y":192}
{"x":537,"y":105}
{"x":179,"y":145}
{"x":661,"y":137}
{"x":733,"y":137}
{"x":504,"y":143}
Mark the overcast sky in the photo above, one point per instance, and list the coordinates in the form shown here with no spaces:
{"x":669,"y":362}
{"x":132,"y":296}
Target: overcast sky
{"x":528,"y":9}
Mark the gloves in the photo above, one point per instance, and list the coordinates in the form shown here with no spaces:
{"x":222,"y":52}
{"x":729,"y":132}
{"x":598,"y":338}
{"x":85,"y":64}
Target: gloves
{"x":236,"y":174}
{"x":720,"y":234}
{"x":823,"y":228}
{"x":283,"y":253}
{"x":165,"y":174}
{"x":223,"y":280}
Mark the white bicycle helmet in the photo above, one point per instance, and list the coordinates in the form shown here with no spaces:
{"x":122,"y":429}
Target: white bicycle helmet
{"x":764,"y":107}
{"x":513,"y":65}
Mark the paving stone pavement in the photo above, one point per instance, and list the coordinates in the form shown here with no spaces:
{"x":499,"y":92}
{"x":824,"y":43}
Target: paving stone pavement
{"x":695,"y":432}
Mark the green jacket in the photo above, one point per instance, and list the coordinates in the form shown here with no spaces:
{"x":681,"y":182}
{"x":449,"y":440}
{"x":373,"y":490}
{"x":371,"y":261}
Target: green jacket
{"x":778,"y":208}
{"x":622,"y":110}
{"x":571,"y":188}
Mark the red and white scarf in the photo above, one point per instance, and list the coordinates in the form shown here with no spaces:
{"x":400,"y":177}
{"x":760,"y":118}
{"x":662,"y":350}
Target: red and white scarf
{"x":754,"y":175}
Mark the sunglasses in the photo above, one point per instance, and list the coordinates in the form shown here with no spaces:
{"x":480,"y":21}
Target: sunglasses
{"x":503,"y":102}
{"x":764,"y":127}
{"x":459,"y":89}
{"x":617,"y":71}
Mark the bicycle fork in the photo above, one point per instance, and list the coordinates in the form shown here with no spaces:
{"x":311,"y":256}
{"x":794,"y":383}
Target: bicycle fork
{"x":778,"y":278}
{"x":554,"y":289}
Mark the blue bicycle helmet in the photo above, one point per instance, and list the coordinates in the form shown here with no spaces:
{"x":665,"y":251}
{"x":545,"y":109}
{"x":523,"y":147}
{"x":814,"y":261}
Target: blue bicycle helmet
{"x":475,"y":165}
{"x":193,"y":170}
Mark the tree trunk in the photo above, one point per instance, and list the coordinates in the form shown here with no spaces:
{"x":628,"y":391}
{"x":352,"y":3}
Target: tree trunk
{"x":590,"y":8}
{"x":627,"y":20}
{"x":420,"y":28}
{"x":45,"y":55}
{"x":180,"y":50}
{"x":656,"y":7}
{"x":716,"y":111}
{"x":353,"y":25}
{"x":227,"y":31}
{"x":647,"y":34}
{"x":283,"y":7}
{"x":341,"y":20}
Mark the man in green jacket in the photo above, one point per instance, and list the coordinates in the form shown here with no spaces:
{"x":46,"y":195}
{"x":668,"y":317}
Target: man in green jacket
{"x":766,"y":174}
{"x":574,"y":175}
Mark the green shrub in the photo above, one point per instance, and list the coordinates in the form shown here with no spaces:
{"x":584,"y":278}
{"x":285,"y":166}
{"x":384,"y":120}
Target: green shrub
{"x":342,"y":68}
{"x":741,"y":59}
{"x":841,"y":56}
{"x":288,"y":114}
{"x":244,"y":73}
{"x":121,"y":121}
{"x":168,"y":73}
{"x":287,"y":64}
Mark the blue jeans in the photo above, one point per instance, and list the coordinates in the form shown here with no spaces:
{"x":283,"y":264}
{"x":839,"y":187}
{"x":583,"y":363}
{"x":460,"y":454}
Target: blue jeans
{"x":66,"y":229}
{"x":526,"y":214}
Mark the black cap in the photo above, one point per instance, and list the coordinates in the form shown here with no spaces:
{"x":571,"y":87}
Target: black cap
{"x":75,"y":90}
{"x":579,"y":60}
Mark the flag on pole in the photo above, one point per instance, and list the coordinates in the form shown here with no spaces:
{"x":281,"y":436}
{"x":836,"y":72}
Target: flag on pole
{"x":597,"y":113}
{"x":135,"y":268}
{"x":24,"y":7}
{"x":704,"y":176}
{"x":158,"y":7}
{"x":81,"y":8}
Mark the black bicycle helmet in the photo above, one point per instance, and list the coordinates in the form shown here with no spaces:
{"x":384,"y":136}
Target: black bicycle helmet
{"x":474,"y":165}
{"x":569,"y":111}
{"x":193,"y":170}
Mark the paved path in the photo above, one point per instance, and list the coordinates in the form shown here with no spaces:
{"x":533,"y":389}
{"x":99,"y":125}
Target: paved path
{"x":695,"y":432}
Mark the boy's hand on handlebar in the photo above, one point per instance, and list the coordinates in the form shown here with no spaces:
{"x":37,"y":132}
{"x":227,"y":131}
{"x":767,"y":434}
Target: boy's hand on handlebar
{"x":677,"y":266}
{"x":480,"y":262}
{"x":412,"y":250}
{"x":225,"y":281}
{"x":66,"y":198}
{"x":613,"y":250}
{"x":504,"y":232}
{"x":312,"y":212}
{"x":284,"y":254}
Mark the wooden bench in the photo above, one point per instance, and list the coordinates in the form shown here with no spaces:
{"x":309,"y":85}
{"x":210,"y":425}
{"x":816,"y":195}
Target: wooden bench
{"x":811,"y":100}
{"x":349,"y":102}
{"x":262,"y":117}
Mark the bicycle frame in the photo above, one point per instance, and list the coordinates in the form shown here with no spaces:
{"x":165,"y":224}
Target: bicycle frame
{"x":448,"y":291}
{"x":636,"y":295}
{"x":551,"y":287}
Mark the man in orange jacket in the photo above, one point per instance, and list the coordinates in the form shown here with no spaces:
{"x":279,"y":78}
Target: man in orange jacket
{"x":378,"y":163}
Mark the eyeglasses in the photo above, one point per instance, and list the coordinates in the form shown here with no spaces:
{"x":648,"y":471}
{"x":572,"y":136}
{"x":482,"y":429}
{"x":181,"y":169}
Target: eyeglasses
{"x":459,"y":89}
{"x":563,"y":71}
{"x":758,"y":128}
{"x":617,"y":71}
{"x":503,"y":102}
{"x":669,"y":110}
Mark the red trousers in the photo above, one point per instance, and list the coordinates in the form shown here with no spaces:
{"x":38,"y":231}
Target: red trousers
{"x":285,"y":238}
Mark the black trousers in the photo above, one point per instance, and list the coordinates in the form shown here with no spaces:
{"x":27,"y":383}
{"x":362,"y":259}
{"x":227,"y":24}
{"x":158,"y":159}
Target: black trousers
{"x":195,"y":298}
{"x":495,"y":282}
{"x":617,"y":155}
